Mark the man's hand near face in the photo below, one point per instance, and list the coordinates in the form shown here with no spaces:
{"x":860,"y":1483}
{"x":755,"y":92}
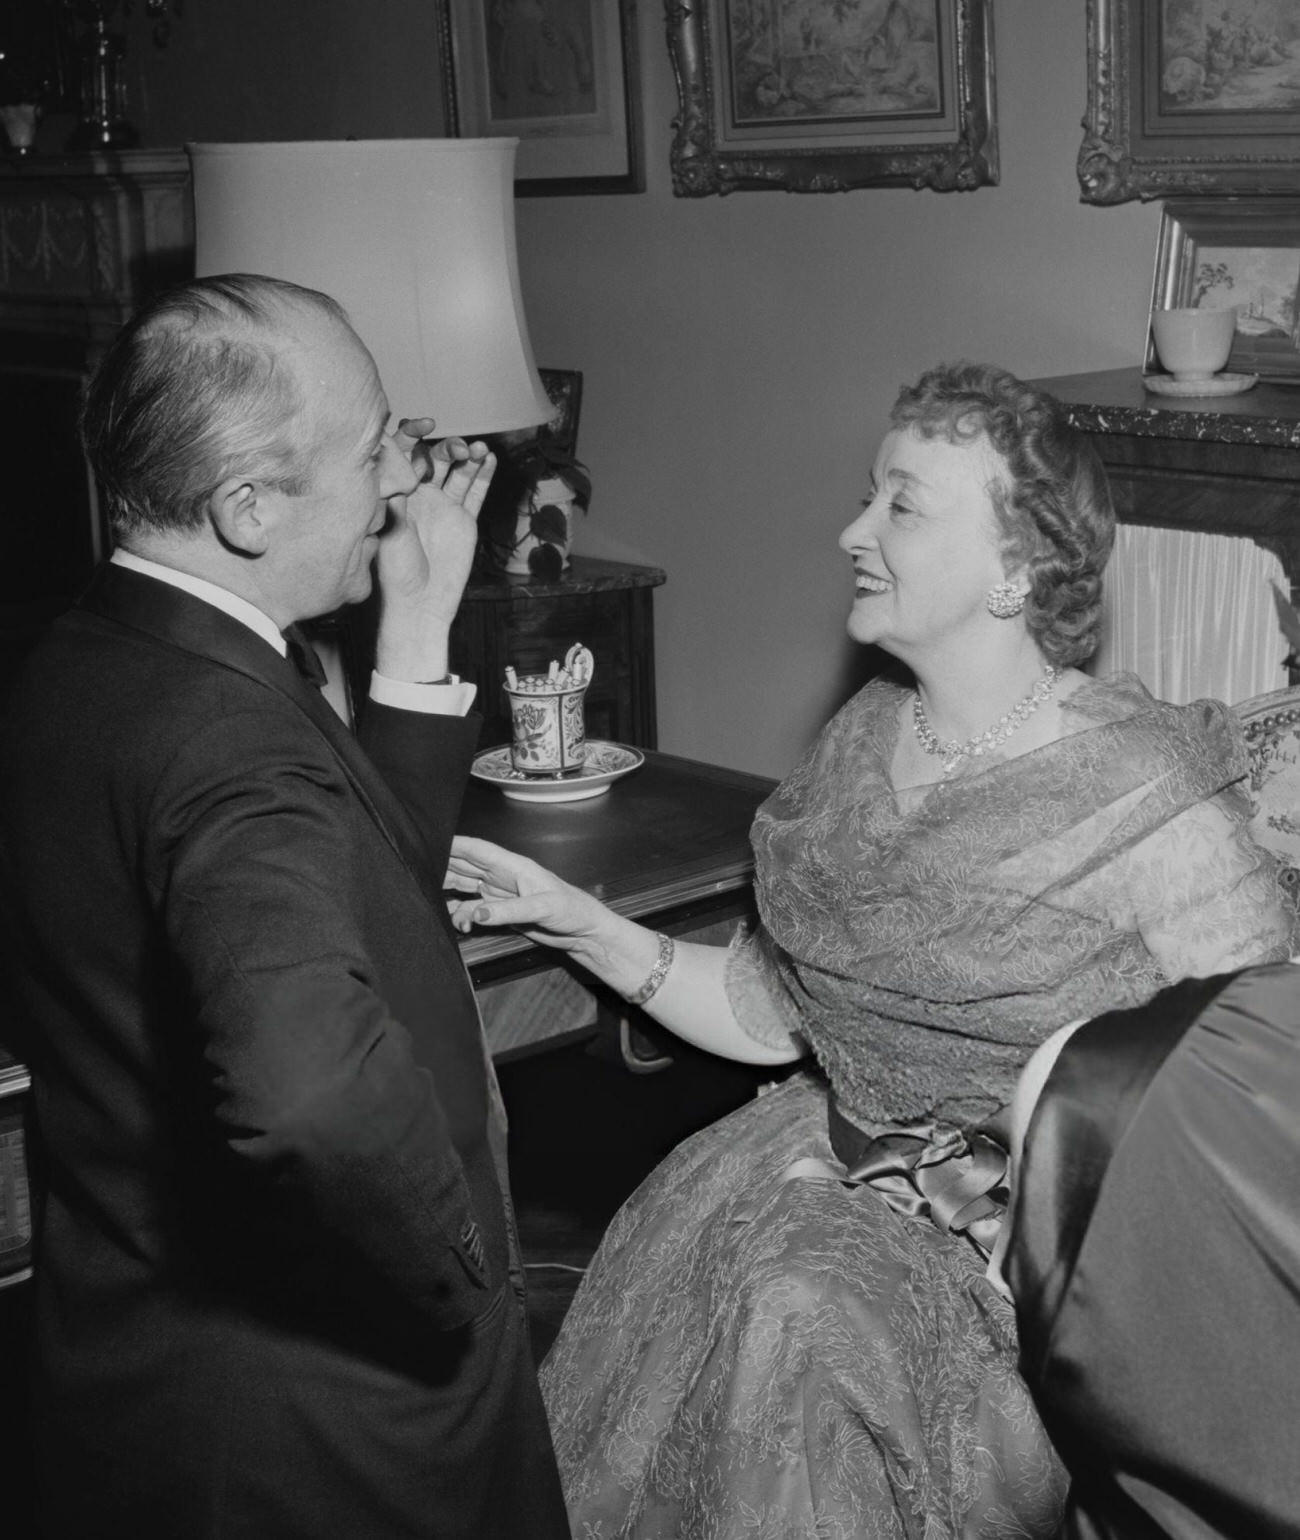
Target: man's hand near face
{"x":427,"y":549}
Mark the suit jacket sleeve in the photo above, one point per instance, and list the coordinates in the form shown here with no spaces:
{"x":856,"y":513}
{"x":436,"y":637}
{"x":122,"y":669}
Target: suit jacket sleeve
{"x":425,"y":760}
{"x":313,"y":1081}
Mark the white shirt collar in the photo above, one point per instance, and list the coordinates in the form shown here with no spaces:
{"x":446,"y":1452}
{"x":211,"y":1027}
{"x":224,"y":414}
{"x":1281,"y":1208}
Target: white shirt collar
{"x":237,"y":608}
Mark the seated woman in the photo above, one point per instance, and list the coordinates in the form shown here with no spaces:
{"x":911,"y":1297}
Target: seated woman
{"x":959,"y":866}
{"x":1155,"y":1261}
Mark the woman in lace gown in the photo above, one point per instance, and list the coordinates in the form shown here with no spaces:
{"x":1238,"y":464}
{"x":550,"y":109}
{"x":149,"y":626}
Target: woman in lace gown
{"x":787,"y":1330}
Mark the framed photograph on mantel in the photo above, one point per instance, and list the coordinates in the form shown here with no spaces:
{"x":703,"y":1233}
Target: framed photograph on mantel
{"x":832,"y":95}
{"x":1243,"y":254}
{"x":1191,"y":97}
{"x":561,"y":76}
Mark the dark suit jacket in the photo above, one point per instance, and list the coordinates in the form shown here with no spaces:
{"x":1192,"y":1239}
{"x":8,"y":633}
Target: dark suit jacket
{"x":273,"y":1251}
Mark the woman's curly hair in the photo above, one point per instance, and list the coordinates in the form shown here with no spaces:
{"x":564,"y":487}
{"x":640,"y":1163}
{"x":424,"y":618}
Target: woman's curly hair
{"x":1053,"y":505}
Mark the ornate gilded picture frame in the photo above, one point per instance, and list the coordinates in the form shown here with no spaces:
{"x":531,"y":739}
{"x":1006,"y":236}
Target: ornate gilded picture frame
{"x":1191,"y":98}
{"x":824,"y":96}
{"x":562,"y":77}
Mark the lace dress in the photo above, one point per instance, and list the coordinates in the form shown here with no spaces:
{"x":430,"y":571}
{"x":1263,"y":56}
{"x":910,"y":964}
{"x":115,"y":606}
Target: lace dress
{"x":762,"y":1353}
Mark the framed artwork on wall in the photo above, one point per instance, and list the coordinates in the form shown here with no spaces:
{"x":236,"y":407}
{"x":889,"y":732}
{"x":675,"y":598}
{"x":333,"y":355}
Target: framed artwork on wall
{"x":561,"y":76}
{"x":1243,"y":254}
{"x":1191,"y":97}
{"x":827,"y":95}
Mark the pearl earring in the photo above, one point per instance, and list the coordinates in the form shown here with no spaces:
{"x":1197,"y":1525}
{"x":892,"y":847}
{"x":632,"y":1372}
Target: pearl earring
{"x":1005,"y":601}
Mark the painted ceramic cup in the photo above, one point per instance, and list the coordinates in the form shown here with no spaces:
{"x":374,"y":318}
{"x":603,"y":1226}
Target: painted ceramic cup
{"x":549,"y":730}
{"x":1194,"y":344}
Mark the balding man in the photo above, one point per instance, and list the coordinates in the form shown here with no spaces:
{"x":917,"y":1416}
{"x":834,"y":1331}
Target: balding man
{"x":274,"y":1254}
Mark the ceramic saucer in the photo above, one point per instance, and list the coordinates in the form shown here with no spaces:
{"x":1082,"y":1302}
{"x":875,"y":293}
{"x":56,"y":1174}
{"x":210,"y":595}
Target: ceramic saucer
{"x":1214,"y":385}
{"x":604,"y":764}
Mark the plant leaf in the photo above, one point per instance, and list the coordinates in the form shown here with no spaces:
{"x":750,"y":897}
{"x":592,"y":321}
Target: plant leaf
{"x":548,"y":523}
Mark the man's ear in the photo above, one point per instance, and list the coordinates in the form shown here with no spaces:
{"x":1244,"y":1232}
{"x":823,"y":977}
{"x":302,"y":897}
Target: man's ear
{"x":241,"y":515}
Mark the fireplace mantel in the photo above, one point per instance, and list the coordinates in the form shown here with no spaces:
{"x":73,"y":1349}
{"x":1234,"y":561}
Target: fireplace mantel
{"x":83,"y":240}
{"x":1227,"y":465}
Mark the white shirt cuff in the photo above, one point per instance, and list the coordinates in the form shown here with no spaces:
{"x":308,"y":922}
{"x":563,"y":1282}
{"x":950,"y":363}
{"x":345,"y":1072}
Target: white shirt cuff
{"x":449,"y":700}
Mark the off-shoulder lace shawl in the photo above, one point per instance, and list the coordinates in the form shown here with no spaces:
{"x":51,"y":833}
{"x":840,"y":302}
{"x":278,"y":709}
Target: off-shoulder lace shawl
{"x":923,"y":952}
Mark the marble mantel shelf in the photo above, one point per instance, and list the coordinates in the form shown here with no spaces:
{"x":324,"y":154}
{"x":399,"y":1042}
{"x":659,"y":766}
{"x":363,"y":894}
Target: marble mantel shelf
{"x":584,"y":575}
{"x":1114,"y":401}
{"x":135,"y":164}
{"x":1226,"y":465}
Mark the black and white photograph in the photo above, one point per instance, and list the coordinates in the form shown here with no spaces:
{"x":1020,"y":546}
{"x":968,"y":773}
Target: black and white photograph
{"x":650,"y":770}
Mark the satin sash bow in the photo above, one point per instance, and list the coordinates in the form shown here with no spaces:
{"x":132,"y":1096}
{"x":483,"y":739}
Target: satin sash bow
{"x":957,"y":1180}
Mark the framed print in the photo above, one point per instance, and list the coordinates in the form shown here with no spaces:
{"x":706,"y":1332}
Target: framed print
{"x":1240,"y":255}
{"x":561,"y":76}
{"x":831,"y":95}
{"x":1191,"y":96}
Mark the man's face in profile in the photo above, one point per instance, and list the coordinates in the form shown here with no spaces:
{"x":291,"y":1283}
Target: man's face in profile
{"x":329,"y":534}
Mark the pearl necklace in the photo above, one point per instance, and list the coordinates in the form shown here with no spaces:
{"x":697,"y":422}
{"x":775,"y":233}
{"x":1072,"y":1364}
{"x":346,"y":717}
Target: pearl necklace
{"x":953,"y":753}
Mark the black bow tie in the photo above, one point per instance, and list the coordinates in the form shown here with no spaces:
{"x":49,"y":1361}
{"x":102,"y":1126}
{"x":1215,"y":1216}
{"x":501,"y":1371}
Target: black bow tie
{"x":303,"y":655}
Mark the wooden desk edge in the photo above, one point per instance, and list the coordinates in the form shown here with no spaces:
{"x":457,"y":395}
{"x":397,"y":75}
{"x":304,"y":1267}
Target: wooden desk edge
{"x":483,"y":947}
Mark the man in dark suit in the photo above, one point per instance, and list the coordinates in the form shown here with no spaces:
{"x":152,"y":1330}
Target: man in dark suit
{"x":274,"y":1256}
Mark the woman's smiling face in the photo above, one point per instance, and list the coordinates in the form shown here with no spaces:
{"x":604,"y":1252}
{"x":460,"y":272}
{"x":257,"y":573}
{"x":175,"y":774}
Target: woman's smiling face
{"x":926,"y":547}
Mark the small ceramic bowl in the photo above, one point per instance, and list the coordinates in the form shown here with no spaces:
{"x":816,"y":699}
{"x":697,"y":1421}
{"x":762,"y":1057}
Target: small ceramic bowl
{"x":1194,"y":344}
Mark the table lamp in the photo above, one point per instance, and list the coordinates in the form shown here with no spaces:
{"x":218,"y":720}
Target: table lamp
{"x":415,"y":238}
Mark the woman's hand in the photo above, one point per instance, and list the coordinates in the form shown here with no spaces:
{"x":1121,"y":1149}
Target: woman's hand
{"x":511,"y":890}
{"x":692,"y":1001}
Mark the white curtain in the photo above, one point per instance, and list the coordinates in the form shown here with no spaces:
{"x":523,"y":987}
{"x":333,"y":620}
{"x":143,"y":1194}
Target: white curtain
{"x":1192,"y":615}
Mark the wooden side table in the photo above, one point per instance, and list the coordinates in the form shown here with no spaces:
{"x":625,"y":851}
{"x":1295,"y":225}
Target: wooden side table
{"x":606,"y":605}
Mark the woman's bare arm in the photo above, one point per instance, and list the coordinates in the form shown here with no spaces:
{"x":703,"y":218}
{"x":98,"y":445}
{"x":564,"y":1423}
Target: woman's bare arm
{"x":692,"y":1000}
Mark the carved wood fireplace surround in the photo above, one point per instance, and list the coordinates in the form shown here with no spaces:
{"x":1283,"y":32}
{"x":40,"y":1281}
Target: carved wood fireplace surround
{"x":83,"y":240}
{"x":1227,"y":465}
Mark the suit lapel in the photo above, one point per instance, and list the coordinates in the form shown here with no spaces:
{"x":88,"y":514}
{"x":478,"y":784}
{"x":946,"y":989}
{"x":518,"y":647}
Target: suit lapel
{"x":178,"y":619}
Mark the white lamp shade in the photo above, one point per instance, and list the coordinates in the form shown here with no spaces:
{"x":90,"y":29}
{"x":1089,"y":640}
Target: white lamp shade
{"x":415,"y":238}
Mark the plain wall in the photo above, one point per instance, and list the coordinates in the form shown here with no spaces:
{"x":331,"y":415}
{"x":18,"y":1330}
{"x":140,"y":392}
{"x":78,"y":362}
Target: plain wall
{"x":740,"y":354}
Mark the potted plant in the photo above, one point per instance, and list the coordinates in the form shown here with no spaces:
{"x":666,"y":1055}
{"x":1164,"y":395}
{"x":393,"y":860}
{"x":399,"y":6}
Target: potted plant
{"x":525,"y":525}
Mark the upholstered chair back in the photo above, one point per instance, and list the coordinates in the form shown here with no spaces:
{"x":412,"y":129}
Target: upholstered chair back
{"x":1272,"y":727}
